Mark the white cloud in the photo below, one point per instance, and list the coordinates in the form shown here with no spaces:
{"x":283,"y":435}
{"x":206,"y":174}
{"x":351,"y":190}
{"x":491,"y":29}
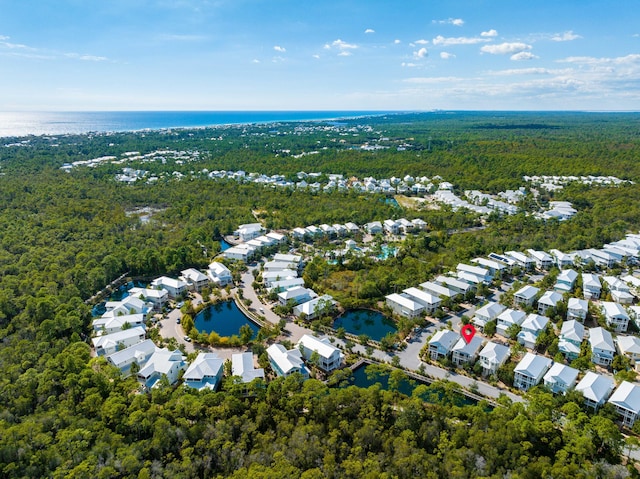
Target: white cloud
{"x":255,"y":60}
{"x":432,"y":80}
{"x":280,"y":49}
{"x":528,"y":71}
{"x":3,"y":38}
{"x":446,"y":55}
{"x":565,"y":37}
{"x":523,"y":56}
{"x":421,"y":42}
{"x":316,"y":56}
{"x":340,"y":45}
{"x":397,"y":42}
{"x":369,"y":30}
{"x":440,"y":40}
{"x":345,"y":54}
{"x":420,"y":54}
{"x":631,"y":59}
{"x":181,"y":38}
{"x":505,"y":48}
{"x":491,"y":33}
{"x":409,"y":65}
{"x":458,"y":22}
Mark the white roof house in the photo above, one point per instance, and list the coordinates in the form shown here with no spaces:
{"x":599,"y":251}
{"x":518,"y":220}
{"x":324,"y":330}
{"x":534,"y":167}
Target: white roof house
{"x":562,"y":260}
{"x":560,"y":378}
{"x":482,"y":273}
{"x":526,"y":295}
{"x":548,"y":300}
{"x":571,"y":336}
{"x":284,"y":362}
{"x":128,"y":305}
{"x":175,"y":287}
{"x":465,"y":353}
{"x":374,"y":227}
{"x":249,"y":231}
{"x":294,"y":259}
{"x":269,"y":277}
{"x":162,"y":362}
{"x":438,"y":290}
{"x":565,"y":281}
{"x":602,"y":347}
{"x":577,"y":309}
{"x":626,"y":399}
{"x":595,"y":388}
{"x":530,"y":371}
{"x":110,"y":343}
{"x":330,"y":357}
{"x":492,"y":356}
{"x":454,"y":284}
{"x":508,"y":318}
{"x":196,"y":280}
{"x":486,"y":313}
{"x":205,"y":372}
{"x":521,"y":259}
{"x":493,"y":266}
{"x":531,"y":328}
{"x":277,"y":237}
{"x":108,"y":324}
{"x":296,"y":294}
{"x":441,"y":343}
{"x":219,"y":274}
{"x":543,"y":260}
{"x":629,"y":346}
{"x":314,"y":307}
{"x":429,"y":301}
{"x":241,"y":252}
{"x":139,"y":353}
{"x":404,"y":305}
{"x":157,"y":297}
{"x":615,"y":315}
{"x":285,"y":284}
{"x":591,"y":286}
{"x":242,"y":366}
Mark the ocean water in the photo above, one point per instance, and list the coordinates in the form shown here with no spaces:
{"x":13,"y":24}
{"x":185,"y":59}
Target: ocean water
{"x":17,"y":124}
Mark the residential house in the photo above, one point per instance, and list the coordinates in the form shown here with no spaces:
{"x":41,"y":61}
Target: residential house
{"x":277,"y":237}
{"x":242,"y":366}
{"x":128,"y":305}
{"x":591,"y":286}
{"x":249,"y":231}
{"x":294,"y":260}
{"x":560,"y":378}
{"x":465,"y":353}
{"x":391,"y":227}
{"x":629,"y":346}
{"x":110,"y":343}
{"x":154,"y":297}
{"x":352,"y":228}
{"x":492,"y":356}
{"x":205,"y":372}
{"x":429,"y":301}
{"x":542,"y":259}
{"x":531,"y":328}
{"x":299,"y":233}
{"x":196,"y":280}
{"x":175,"y":287}
{"x":285,"y":363}
{"x":508,"y":318}
{"x":577,"y":309}
{"x":619,"y":290}
{"x":404,"y":306}
{"x":139,"y":353}
{"x":509,"y":263}
{"x":602,"y":347}
{"x":626,"y":399}
{"x":270,"y":277}
{"x":521,"y":259}
{"x":441,"y":344}
{"x":314,"y":307}
{"x":419,"y":223}
{"x":615,"y":316}
{"x":561,"y":260}
{"x":219,"y":274}
{"x":571,"y":336}
{"x":274,"y":265}
{"x":547,"y":301}
{"x":530,"y":371}
{"x":285,"y":284}
{"x":241,"y":252}
{"x":297,"y":295}
{"x":329,"y":356}
{"x":162,"y":362}
{"x":454,"y":284}
{"x":565,"y":281}
{"x":373,"y":228}
{"x":486,"y":313}
{"x":438,"y":290}
{"x":496,"y":268}
{"x":525,"y":296}
{"x":482,"y":273}
{"x":109,"y":324}
{"x":596,"y":389}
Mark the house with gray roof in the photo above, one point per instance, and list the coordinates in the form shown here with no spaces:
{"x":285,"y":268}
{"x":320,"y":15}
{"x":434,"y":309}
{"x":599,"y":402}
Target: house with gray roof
{"x":205,"y":372}
{"x":626,"y":399}
{"x":560,"y":378}
{"x":602,"y":346}
{"x":571,"y":336}
{"x":492,"y":356}
{"x":441,"y":344}
{"x":530,"y":371}
{"x":595,"y":388}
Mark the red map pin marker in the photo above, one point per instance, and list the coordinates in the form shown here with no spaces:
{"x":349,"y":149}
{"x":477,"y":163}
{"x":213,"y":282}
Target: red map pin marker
{"x":468,"y":331}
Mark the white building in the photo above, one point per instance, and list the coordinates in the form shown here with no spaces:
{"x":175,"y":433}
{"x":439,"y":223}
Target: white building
{"x":205,"y":372}
{"x":242,"y":366}
{"x":196,"y":280}
{"x":626,"y":400}
{"x":577,"y":309}
{"x":530,"y":371}
{"x":591,"y":286}
{"x":508,"y":318}
{"x":175,"y":287}
{"x":602,"y":347}
{"x":526,"y":296}
{"x":595,"y":388}
{"x":285,"y":363}
{"x":531,"y":328}
{"x":429,"y":301}
{"x":311,"y":309}
{"x":492,"y":356}
{"x":139,"y":353}
{"x":615,"y":315}
{"x":162,"y":363}
{"x":441,"y":344}
{"x":219,"y":274}
{"x":548,"y":300}
{"x":486,"y":313}
{"x":560,"y":378}
{"x":571,"y":336}
{"x":404,"y":305}
{"x":110,"y":343}
{"x":465,"y":353}
{"x":329,"y":356}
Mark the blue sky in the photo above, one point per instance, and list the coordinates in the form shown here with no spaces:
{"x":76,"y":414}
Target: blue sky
{"x":302,"y":55}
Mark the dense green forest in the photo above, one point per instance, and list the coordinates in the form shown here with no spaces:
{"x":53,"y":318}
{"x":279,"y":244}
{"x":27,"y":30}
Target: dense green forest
{"x":65,"y":235}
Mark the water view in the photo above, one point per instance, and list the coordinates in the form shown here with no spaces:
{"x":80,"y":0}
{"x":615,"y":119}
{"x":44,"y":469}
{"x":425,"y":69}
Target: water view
{"x":224,"y":245}
{"x":225,"y":318}
{"x":365,"y":321}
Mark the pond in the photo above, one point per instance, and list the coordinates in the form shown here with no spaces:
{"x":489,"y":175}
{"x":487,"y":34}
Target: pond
{"x":365,"y":321}
{"x":367,"y":375}
{"x":225,"y":318}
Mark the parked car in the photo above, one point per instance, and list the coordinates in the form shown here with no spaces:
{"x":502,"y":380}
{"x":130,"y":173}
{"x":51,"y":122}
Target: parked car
{"x":187,"y":339}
